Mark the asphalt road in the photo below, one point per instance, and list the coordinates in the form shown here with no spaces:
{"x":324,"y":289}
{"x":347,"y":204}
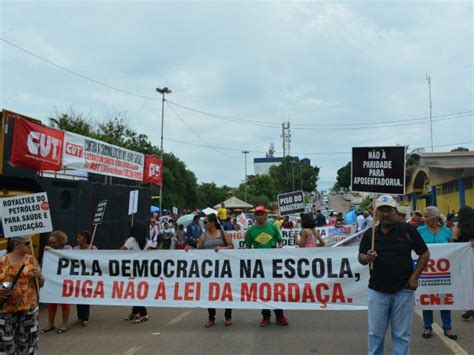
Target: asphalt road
{"x":181,"y":331}
{"x":338,"y":204}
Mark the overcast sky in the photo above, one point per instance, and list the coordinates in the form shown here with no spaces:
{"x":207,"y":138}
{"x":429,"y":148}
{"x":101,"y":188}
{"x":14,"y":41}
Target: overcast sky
{"x":331,"y":69}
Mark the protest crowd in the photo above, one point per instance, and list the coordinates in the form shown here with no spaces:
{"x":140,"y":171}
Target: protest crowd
{"x":392,"y":277}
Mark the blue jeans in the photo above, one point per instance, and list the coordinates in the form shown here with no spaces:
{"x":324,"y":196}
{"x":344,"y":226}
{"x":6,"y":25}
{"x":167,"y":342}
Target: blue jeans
{"x":445,"y":318}
{"x":396,"y":309}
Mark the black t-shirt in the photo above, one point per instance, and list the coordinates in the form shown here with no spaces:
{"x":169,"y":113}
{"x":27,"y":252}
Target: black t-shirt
{"x":393,"y":265}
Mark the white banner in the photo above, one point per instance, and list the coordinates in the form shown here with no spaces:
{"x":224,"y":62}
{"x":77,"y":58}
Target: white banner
{"x":252,"y":279}
{"x":80,"y":152}
{"x":25,"y":215}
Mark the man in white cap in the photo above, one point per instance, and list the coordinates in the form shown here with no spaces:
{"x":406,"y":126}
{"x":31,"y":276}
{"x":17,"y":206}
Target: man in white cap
{"x":393,"y":281}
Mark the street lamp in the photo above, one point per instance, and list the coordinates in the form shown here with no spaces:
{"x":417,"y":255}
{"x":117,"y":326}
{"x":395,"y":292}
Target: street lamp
{"x":162,"y":91}
{"x":245,"y":152}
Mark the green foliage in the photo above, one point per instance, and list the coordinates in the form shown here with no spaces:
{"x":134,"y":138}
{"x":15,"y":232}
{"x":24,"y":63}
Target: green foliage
{"x":292,"y":175}
{"x":209,"y":194}
{"x":343,"y":180}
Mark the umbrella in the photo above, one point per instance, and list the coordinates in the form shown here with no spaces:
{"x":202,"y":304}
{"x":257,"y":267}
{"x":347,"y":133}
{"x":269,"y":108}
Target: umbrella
{"x":234,"y":202}
{"x":209,"y":210}
{"x":186,"y":219}
{"x":350,"y":217}
{"x":154,"y":209}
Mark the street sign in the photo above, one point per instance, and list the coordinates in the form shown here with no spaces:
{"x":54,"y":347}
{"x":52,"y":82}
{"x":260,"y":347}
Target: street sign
{"x":25,"y":215}
{"x":133,"y":202}
{"x":378,"y":170}
{"x":100,"y":211}
{"x":291,"y":202}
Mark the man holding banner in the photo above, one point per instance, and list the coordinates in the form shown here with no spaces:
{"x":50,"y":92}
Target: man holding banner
{"x":393,"y":281}
{"x":264,"y":235}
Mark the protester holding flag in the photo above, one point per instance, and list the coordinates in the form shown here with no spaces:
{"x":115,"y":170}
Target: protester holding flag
{"x":393,"y":281}
{"x":432,"y":232}
{"x":57,"y":240}
{"x":309,"y":234}
{"x":19,"y":298}
{"x":138,"y":241}
{"x":84,"y":240}
{"x":264,"y":235}
{"x":215,"y":238}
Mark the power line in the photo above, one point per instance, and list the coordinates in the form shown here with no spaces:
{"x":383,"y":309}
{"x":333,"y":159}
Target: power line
{"x":277,"y":125}
{"x":195,"y":133}
{"x":77,"y":74}
{"x":304,"y":126}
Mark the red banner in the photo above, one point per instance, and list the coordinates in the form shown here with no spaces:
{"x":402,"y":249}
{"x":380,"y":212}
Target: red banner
{"x":153,"y":170}
{"x":36,"y":147}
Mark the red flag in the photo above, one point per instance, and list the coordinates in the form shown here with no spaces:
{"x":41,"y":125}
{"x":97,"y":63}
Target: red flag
{"x":35,"y":146}
{"x":153,"y":170}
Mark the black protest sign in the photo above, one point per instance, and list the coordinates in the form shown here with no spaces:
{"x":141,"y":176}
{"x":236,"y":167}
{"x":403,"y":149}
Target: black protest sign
{"x":291,"y":202}
{"x":99,"y":213}
{"x":378,"y":170}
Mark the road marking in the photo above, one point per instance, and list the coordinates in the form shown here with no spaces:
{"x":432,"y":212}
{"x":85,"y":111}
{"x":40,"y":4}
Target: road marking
{"x":178,"y":318}
{"x":132,"y":350}
{"x":155,"y":333}
{"x":451,"y":344}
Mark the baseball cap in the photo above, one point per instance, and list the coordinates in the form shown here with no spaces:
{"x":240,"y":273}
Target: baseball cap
{"x":385,"y":200}
{"x":260,"y":209}
{"x":403,"y":210}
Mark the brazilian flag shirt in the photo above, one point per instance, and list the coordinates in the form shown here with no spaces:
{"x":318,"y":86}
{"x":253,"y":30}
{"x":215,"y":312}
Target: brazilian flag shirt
{"x":265,"y":237}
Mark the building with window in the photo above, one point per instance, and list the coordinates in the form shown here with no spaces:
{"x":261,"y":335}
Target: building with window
{"x":445,"y":180}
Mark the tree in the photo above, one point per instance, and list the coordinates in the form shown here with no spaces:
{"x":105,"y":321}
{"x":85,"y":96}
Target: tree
{"x":343,"y":179}
{"x":460,"y":149}
{"x":292,"y":174}
{"x":209,"y":194}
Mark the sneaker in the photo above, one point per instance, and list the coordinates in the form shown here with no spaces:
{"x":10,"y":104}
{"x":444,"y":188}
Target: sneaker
{"x":85,"y":324}
{"x":131,"y":316}
{"x":265,"y":323}
{"x":79,"y":322}
{"x":209,"y":323}
{"x":228,"y":322}
{"x":140,"y":319}
{"x":282,"y":320}
{"x":466,"y":315}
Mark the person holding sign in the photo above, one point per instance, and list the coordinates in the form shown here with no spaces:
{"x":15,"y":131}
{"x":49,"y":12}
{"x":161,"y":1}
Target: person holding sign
{"x":431,"y":233}
{"x":19,"y":298}
{"x":138,"y":240}
{"x":214,"y":238}
{"x":393,"y":281}
{"x":57,"y":240}
{"x":84,"y":240}
{"x":264,"y":235}
{"x":309,"y":234}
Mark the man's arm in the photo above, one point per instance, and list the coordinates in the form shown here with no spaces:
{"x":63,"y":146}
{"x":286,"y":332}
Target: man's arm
{"x":412,"y":282}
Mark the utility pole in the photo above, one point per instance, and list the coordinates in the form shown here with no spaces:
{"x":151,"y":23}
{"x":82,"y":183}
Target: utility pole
{"x":162,"y":91}
{"x":428,"y":78}
{"x":245,"y":152}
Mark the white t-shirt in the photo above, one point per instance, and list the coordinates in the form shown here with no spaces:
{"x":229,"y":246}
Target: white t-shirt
{"x":360,"y":220}
{"x":131,"y":244}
